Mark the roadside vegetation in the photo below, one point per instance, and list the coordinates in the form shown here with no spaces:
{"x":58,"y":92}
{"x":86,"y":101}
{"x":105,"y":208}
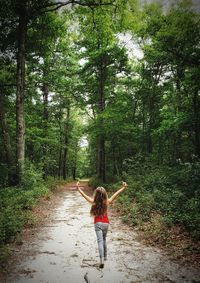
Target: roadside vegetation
{"x":17,"y":204}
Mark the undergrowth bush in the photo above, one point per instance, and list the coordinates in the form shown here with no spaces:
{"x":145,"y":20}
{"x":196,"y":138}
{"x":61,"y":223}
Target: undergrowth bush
{"x":95,"y":182}
{"x":32,"y":176}
{"x":16,"y":202}
{"x":170,"y":191}
{"x":52,"y":182}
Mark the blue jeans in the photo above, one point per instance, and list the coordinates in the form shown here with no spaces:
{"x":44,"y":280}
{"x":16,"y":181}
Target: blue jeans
{"x":101,"y":230}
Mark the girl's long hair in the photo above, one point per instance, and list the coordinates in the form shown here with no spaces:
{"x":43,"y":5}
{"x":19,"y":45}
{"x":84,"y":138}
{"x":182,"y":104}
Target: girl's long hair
{"x":100,"y":204}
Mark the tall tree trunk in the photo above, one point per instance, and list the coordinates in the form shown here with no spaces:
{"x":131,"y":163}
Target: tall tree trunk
{"x":196,"y":107}
{"x":6,"y":140}
{"x":60,"y":156}
{"x":180,"y":74}
{"x":30,"y":150}
{"x":143,"y":141}
{"x":20,"y":121}
{"x":101,"y":140}
{"x":115,"y":165}
{"x":66,"y":142}
{"x":150,"y":124}
{"x":101,"y":159}
{"x":74,"y":172}
{"x":60,"y":140}
{"x":46,"y":119}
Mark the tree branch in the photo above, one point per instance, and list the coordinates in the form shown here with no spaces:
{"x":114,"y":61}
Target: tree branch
{"x":8,"y":85}
{"x":55,"y":6}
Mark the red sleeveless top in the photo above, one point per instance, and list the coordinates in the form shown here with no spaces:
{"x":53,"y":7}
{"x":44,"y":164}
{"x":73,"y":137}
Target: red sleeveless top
{"x":101,"y":218}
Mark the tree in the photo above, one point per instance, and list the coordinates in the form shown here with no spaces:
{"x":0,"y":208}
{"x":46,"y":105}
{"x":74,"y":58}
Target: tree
{"x":104,"y":60}
{"x":24,"y":13}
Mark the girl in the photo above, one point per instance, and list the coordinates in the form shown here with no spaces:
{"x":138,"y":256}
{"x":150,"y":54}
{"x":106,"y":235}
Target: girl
{"x":100,"y":202}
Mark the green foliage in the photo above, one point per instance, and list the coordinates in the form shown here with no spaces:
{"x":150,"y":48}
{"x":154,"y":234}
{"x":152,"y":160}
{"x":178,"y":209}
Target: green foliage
{"x":95,"y":182}
{"x":16,"y":202}
{"x":52,"y":182}
{"x":11,"y":223}
{"x":31,"y":176}
{"x":168,"y":191}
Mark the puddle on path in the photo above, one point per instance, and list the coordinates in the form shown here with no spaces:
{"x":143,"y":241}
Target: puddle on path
{"x":65,"y":251}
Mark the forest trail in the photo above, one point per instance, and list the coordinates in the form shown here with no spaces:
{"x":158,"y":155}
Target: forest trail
{"x":64,"y":250}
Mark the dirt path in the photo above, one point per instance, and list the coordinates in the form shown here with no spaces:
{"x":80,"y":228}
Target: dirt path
{"x":64,"y":250}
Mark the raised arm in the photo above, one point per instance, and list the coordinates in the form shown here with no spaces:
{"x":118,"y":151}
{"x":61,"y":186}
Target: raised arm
{"x":89,"y":199}
{"x":113,"y":197}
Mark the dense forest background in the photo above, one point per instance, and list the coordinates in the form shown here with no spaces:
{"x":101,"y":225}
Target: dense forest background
{"x":102,"y":89}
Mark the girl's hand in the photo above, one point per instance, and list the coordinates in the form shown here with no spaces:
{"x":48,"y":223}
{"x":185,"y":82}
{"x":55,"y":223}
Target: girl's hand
{"x":77,"y":184}
{"x":125,"y":185}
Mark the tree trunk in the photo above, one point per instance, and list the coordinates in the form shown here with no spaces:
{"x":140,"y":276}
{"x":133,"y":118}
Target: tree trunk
{"x":143,"y":128}
{"x":20,"y":121}
{"x":115,"y":165}
{"x":196,"y":107}
{"x":150,"y":124}
{"x":46,"y":119}
{"x":30,"y":150}
{"x":60,"y":158}
{"x":101,"y":159}
{"x":101,"y":140}
{"x":60,"y":141}
{"x":66,"y":142}
{"x":74,"y":172}
{"x":6,"y":140}
{"x":177,"y":136}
